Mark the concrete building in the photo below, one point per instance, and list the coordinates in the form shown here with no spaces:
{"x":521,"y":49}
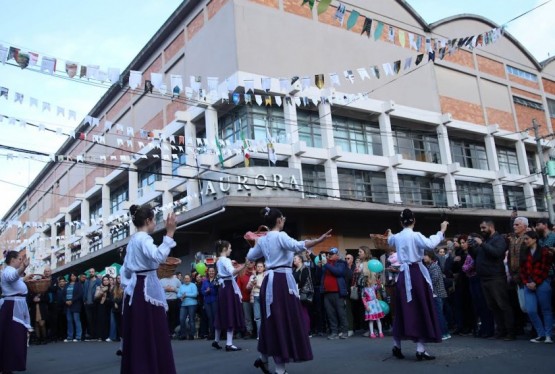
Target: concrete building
{"x":451,"y":137}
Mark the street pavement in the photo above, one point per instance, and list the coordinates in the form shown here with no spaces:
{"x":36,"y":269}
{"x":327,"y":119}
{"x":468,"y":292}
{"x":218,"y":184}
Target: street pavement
{"x":357,"y":354}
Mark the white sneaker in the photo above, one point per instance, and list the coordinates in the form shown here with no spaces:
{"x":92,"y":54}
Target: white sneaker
{"x":548,"y":340}
{"x":75,"y":340}
{"x":350,"y":333}
{"x":108,"y":340}
{"x":67,"y":340}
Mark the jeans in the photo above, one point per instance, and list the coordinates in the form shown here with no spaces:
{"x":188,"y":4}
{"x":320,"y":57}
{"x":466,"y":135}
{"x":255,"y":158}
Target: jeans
{"x":257,"y":313}
{"x":247,"y":311}
{"x":211,"y":310}
{"x":113,"y":328}
{"x":335,"y":310}
{"x":91,"y":313}
{"x":541,"y":296}
{"x":73,"y":317}
{"x":480,"y":308}
{"x":187,"y":311}
{"x":438,"y":301}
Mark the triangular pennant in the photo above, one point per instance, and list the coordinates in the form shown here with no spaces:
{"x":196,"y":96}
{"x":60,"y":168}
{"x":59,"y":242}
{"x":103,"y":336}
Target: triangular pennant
{"x":352,"y":20}
{"x":323,"y":6}
{"x":378,"y":31}
{"x":367,"y":26}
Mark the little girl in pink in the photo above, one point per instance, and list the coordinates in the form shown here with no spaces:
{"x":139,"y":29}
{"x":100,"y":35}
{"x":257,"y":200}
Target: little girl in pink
{"x":372,"y":308}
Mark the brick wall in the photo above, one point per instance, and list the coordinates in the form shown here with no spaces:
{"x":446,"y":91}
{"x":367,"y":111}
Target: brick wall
{"x":270,"y":3}
{"x":91,"y":176}
{"x":462,"y":110}
{"x":295,"y":7}
{"x":525,"y":115}
{"x":175,"y":46}
{"x":527,"y":94}
{"x":549,"y":86}
{"x":195,"y":25}
{"x":504,"y":119}
{"x":214,"y":6}
{"x":155,"y":67}
{"x":328,"y":17}
{"x":116,"y":109}
{"x":155,"y":123}
{"x":172,"y":108}
{"x":490,"y":66}
{"x":524,"y":82}
{"x":461,"y":57}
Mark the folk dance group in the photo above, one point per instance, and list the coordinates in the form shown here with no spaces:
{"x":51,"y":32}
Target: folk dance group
{"x":146,"y":345}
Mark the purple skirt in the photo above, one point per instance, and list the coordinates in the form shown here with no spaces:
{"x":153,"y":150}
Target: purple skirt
{"x":13,"y":341}
{"x":229,"y":314}
{"x":417,"y":320}
{"x":146,"y":341}
{"x":284,"y":334}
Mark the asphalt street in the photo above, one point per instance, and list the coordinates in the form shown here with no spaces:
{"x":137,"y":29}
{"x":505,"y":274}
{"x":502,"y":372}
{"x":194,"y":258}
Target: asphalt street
{"x":354,"y":355}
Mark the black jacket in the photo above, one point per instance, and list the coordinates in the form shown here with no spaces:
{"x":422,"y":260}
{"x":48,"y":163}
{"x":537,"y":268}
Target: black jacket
{"x":489,"y":257}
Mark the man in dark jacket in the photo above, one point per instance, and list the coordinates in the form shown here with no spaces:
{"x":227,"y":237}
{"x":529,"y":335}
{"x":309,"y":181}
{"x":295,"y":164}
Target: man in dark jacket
{"x":334,"y":289}
{"x":489,"y":255}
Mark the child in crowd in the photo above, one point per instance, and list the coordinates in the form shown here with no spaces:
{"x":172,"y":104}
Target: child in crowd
{"x":372,"y":308}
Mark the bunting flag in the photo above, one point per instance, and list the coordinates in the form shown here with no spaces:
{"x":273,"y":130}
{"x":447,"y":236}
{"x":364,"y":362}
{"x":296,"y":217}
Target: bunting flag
{"x":220,"y":154}
{"x":319,"y":80}
{"x":3,"y":54}
{"x":367,"y":27}
{"x":71,"y":69}
{"x":378,"y":31}
{"x":310,"y":3}
{"x":352,"y":20}
{"x":271,"y":151}
{"x":323,"y":6}
{"x":340,"y":13}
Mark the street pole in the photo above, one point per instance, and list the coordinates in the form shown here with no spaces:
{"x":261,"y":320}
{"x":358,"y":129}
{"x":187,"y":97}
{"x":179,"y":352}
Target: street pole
{"x":546,"y":190}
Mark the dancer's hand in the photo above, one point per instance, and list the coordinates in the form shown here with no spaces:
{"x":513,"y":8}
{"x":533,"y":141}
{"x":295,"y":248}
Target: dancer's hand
{"x":171,"y":224}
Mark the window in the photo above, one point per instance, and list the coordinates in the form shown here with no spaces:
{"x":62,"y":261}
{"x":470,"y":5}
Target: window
{"x":117,"y":197}
{"x":253,"y":122}
{"x":95,"y":210}
{"x":362,"y":185}
{"x":422,"y":191}
{"x":522,"y":74}
{"x":469,"y":155}
{"x":95,"y":245}
{"x":178,"y":162}
{"x":357,"y":136}
{"x":308,"y":124}
{"x":551,"y":107}
{"x":540,"y":200}
{"x":148,"y":176}
{"x":417,"y":146}
{"x":514,"y":196}
{"x":527,"y":103}
{"x":118,"y":234}
{"x":314,"y":181}
{"x":507,"y":160}
{"x":532,"y":165}
{"x":475,"y":195}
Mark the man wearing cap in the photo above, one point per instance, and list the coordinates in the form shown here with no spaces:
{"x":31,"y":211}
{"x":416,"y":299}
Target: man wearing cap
{"x":334,"y":289}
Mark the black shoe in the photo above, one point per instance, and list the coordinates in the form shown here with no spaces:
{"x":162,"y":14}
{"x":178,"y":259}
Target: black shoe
{"x":397,"y":353}
{"x":259,"y":364}
{"x":119,"y":352}
{"x":231,"y":348}
{"x":424,"y":356}
{"x":216,"y":345}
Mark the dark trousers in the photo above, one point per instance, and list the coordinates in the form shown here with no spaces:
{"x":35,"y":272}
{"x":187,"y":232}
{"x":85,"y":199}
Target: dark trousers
{"x":481,"y":309}
{"x":497,"y":299}
{"x":211,"y":310}
{"x":173,"y":314}
{"x":91,"y":314}
{"x":336,"y":312}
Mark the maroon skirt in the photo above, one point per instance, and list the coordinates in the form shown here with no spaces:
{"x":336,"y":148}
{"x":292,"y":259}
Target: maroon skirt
{"x":417,"y":320}
{"x":230,"y":309}
{"x":13,"y":341}
{"x":284,"y":334}
{"x":146,"y":341}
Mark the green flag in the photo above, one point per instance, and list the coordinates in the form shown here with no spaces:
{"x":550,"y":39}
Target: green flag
{"x":379,"y":30}
{"x":323,"y":6}
{"x":352,"y":21}
{"x":220,"y":155}
{"x":310,"y":3}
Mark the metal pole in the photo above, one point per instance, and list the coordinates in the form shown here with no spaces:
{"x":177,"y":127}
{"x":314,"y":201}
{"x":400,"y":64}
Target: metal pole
{"x":546,"y":190}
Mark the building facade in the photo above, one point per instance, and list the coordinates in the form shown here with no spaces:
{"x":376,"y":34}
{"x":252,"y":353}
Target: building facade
{"x":448,"y":137}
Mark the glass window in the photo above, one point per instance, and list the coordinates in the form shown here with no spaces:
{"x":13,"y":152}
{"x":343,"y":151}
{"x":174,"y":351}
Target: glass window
{"x":540,"y":200}
{"x":148,"y":176}
{"x":362,"y":185}
{"x":357,"y":136}
{"x":514,"y":196}
{"x":469,"y":155}
{"x":178,"y":162}
{"x":120,"y":233}
{"x":314,"y":181}
{"x":95,"y":210}
{"x":117,"y":197}
{"x":422,"y":191}
{"x":551,"y":107}
{"x":532,"y":165}
{"x":527,"y":103}
{"x":507,"y":160}
{"x":251,"y":122}
{"x":308,"y":124}
{"x":417,"y":146}
{"x":475,"y":195}
{"x":521,"y":73}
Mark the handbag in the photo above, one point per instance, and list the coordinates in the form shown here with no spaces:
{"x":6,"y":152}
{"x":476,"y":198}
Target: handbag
{"x":306,"y":293}
{"x":251,"y":237}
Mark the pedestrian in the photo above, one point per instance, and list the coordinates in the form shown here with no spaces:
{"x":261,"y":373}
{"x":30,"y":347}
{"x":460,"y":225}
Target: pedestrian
{"x":334,"y":288}
{"x":209,"y":290}
{"x":14,"y":315}
{"x":187,"y":293}
{"x":243,"y":280}
{"x":89,"y":288}
{"x":104,"y":301}
{"x":146,"y":344}
{"x":304,"y":283}
{"x":171,"y":285}
{"x":255,"y":284}
{"x":440,"y":295}
{"x":416,"y":317}
{"x":117,"y":300}
{"x":73,"y":298}
{"x":372,"y":308}
{"x":282,"y":332}
{"x":229,"y":316}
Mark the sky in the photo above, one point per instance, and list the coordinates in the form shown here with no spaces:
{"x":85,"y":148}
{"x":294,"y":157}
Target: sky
{"x":111,"y":33}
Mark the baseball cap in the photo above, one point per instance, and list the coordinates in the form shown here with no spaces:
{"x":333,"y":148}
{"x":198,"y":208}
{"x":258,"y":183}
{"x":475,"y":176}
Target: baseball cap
{"x":334,"y":251}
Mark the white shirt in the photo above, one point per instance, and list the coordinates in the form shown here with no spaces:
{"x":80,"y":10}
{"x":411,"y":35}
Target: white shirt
{"x":12,"y":283}
{"x":172,"y":282}
{"x":225,"y":272}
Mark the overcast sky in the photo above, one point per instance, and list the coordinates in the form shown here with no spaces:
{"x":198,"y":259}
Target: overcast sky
{"x":111,"y":33}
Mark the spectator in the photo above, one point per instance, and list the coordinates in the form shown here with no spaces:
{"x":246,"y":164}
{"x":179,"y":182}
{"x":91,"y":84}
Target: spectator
{"x":73,"y":297}
{"x":350,"y":260}
{"x":103,"y":301}
{"x":201,"y":312}
{"x":243,"y":279}
{"x":546,"y":237}
{"x":209,"y":290}
{"x":255,"y":285}
{"x":89,"y":289}
{"x":117,"y":300}
{"x":171,"y":285}
{"x":60,"y":310}
{"x":304,"y":283}
{"x":335,"y":291}
{"x":188,"y":294}
{"x":38,"y":310}
{"x":430,"y":260}
{"x":515,"y":258}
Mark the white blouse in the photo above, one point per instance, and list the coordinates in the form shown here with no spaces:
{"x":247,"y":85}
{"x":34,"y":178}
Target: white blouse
{"x":225,"y":272}
{"x":12,"y":284}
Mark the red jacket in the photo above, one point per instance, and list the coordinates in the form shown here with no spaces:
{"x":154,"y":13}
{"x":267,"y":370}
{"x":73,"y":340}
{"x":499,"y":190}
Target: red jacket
{"x":535,"y":268}
{"x":242,"y":282}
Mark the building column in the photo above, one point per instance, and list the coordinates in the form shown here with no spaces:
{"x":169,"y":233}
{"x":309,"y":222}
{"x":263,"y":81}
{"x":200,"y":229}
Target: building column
{"x":451,"y":190}
{"x":53,"y":242}
{"x":444,"y":146}
{"x":133,"y":192}
{"x":386,"y":135}
{"x":67,"y":253}
{"x":106,"y":237}
{"x":85,"y":217}
{"x":491,"y":153}
{"x":522,"y":158}
{"x":328,"y":142}
{"x":292,"y":130}
{"x":211,"y":125}
{"x":191,"y":162}
{"x":529,"y":197}
{"x":393,"y":188}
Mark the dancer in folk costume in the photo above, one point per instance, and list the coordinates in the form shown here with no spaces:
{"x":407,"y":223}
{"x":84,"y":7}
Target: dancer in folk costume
{"x":372,"y":308}
{"x":416,"y":318}
{"x":282,"y":331}
{"x":14,"y":314}
{"x":146,"y":343}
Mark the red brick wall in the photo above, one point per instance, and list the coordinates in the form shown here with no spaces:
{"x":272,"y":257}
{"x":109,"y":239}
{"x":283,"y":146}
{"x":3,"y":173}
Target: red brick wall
{"x":214,"y":6}
{"x":116,"y":109}
{"x":490,"y":66}
{"x":328,"y":17}
{"x":523,"y":93}
{"x":155,"y":123}
{"x":462,"y":110}
{"x":155,"y":67}
{"x":525,"y":115}
{"x":524,"y":82}
{"x":90,"y":178}
{"x":195,"y":25}
{"x":504,"y":119}
{"x":295,"y":7}
{"x":461,"y":57}
{"x":173,"y":107}
{"x":270,"y":3}
{"x":549,"y":86}
{"x":175,"y":46}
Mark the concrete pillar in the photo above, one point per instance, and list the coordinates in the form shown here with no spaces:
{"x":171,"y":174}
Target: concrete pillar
{"x":211,"y":125}
{"x":451,"y":190}
{"x":499,"y":195}
{"x":522,"y":159}
{"x":192,"y":184}
{"x":386,"y":135}
{"x":69,"y":228}
{"x":106,"y":237}
{"x":53,"y":242}
{"x":444,"y":146}
{"x":85,"y":212}
{"x":393,"y":189}
{"x":491,"y":153}
{"x":330,"y":166}
{"x":529,"y":197}
{"x":292,"y":130}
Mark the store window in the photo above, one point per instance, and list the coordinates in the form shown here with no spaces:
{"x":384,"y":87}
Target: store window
{"x":148,"y":176}
{"x":308,"y":124}
{"x":253,"y":122}
{"x":118,"y":197}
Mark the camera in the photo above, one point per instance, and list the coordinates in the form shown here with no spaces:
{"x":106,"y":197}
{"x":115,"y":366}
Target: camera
{"x":471,"y":242}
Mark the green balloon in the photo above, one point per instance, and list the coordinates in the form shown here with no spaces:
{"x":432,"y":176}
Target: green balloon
{"x":384,"y":306}
{"x":201,"y":268}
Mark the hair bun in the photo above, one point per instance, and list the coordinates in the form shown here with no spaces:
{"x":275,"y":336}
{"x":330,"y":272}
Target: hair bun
{"x":133,"y":209}
{"x":407,"y":217}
